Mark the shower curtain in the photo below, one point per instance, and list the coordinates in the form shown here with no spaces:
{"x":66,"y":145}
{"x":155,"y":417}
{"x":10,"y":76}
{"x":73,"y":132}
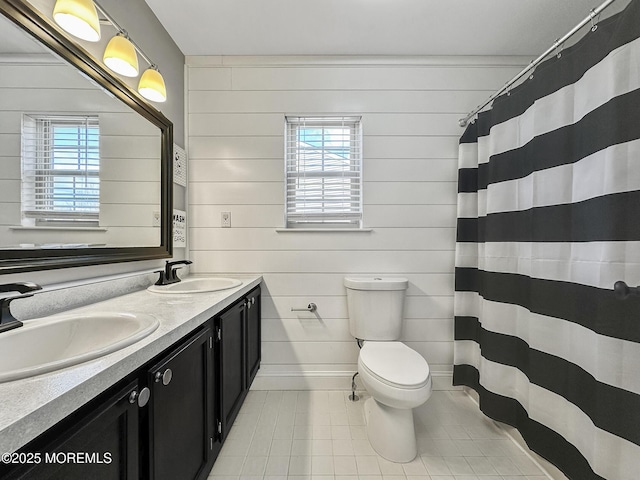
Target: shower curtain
{"x":548,"y":220}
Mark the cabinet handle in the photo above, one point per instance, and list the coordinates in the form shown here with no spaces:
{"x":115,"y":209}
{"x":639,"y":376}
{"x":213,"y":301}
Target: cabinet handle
{"x":132,"y":396}
{"x":144,"y":396}
{"x":165,"y":376}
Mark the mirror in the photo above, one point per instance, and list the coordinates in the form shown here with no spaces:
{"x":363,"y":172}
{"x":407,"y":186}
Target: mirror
{"x":86,"y":175}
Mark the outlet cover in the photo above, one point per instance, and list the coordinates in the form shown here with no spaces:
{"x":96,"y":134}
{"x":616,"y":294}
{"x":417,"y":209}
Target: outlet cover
{"x":156,"y":219}
{"x":225,"y":219}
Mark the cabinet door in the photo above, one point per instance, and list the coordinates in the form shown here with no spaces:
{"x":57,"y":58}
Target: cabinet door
{"x":253,"y":319}
{"x":99,"y":442}
{"x":180,"y":411}
{"x":231,"y":364}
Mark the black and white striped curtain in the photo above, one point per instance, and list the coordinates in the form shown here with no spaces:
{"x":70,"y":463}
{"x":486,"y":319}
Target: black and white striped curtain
{"x":548,"y":220}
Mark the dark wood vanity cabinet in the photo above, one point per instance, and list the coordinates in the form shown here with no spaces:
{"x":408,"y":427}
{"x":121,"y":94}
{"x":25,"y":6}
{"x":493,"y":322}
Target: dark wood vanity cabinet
{"x":180,"y":414}
{"x":100,"y":442}
{"x":253,"y":321}
{"x":238,"y":356}
{"x":231,"y":363}
{"x":165,"y":421}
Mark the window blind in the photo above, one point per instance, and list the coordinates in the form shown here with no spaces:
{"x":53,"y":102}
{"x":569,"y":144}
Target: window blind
{"x":60,"y":169}
{"x":323,"y":170}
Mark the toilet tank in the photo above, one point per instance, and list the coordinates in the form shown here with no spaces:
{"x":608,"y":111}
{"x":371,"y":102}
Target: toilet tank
{"x":375,"y":307}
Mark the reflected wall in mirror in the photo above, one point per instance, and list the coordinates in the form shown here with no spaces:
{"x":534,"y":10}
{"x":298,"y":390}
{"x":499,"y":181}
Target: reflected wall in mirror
{"x":85,"y":175}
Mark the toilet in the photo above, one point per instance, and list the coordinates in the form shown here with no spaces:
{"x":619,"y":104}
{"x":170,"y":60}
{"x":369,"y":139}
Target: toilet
{"x":397,"y":377}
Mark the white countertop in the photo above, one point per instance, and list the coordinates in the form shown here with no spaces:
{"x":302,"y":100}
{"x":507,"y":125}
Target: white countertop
{"x":30,"y":406}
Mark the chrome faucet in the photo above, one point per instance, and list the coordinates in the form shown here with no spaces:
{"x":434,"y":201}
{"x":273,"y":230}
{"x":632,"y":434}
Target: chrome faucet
{"x":7,"y":320}
{"x":169,"y":275}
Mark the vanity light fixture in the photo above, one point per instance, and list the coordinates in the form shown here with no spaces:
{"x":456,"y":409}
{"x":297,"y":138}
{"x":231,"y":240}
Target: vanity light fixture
{"x":79,"y":18}
{"x":120,"y":56}
{"x":152,"y":86}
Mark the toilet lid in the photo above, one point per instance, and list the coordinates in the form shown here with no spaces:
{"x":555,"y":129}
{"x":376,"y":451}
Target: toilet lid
{"x":394,"y":363}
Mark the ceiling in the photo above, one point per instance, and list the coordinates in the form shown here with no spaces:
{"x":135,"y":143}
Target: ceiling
{"x":369,"y":27}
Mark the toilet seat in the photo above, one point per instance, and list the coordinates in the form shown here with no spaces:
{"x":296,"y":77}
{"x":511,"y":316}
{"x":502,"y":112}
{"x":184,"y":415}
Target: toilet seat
{"x":395,"y":365}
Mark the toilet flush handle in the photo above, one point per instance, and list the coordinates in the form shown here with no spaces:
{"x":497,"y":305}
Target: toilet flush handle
{"x":621,"y":290}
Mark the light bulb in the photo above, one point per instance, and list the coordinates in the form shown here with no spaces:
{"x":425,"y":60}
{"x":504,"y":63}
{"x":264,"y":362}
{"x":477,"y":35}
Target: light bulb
{"x":79,"y":18}
{"x":152,"y":86}
{"x":121,"y":57}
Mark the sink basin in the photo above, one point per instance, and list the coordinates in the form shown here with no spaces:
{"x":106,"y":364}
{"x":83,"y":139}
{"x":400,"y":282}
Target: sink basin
{"x":45,"y":345}
{"x":197,"y":285}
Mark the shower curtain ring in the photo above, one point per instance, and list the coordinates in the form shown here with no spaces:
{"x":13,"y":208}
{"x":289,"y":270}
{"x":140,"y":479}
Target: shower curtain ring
{"x":594,"y":25}
{"x":559,"y":46}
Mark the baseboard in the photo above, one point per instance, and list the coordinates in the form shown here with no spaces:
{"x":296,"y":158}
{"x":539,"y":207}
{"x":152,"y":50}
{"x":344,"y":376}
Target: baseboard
{"x":271,"y":377}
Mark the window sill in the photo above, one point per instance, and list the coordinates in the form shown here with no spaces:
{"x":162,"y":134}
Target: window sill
{"x":324,"y":230}
{"x":75,"y":229}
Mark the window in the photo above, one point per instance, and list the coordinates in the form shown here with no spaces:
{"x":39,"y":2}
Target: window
{"x":60,"y":170}
{"x":323,"y":172}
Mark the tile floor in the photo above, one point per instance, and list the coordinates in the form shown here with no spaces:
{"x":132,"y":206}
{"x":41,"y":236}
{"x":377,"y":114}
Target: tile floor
{"x":320,"y":435}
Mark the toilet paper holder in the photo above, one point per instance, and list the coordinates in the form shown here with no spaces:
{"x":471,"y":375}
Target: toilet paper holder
{"x":312,"y":307}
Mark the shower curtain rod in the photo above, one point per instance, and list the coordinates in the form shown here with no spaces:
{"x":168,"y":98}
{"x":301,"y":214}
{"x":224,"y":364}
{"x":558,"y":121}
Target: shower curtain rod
{"x":558,"y":43}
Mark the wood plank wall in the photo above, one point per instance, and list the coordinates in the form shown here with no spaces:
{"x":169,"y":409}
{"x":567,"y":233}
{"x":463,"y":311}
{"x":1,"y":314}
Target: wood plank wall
{"x":410,"y":111}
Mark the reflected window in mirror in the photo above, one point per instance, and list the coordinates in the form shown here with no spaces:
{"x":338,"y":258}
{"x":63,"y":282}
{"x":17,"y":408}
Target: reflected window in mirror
{"x":89,"y":192}
{"x":60,"y":170}
{"x":83,"y":169}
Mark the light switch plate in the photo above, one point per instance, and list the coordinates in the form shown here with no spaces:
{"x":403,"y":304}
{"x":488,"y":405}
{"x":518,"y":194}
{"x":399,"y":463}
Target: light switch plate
{"x":225,"y":219}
